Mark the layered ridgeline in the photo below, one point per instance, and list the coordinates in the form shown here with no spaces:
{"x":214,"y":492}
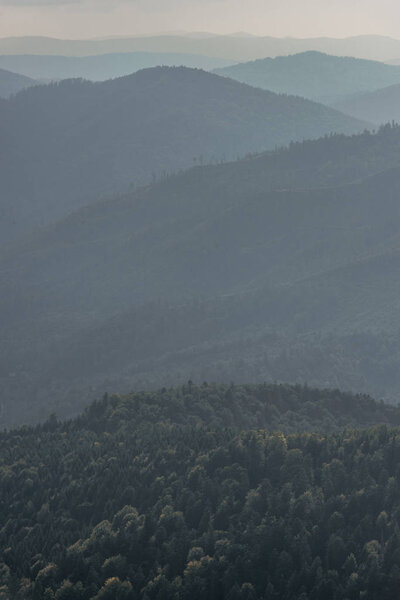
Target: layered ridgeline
{"x":171,"y":495}
{"x":239,"y":47}
{"x":65,"y":144}
{"x":380,"y":106}
{"x":103,"y":66}
{"x":281,"y":267}
{"x":12,"y":83}
{"x":315,"y":75}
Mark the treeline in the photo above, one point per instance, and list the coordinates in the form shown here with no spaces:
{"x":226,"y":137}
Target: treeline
{"x":164,"y":497}
{"x":287,"y":408}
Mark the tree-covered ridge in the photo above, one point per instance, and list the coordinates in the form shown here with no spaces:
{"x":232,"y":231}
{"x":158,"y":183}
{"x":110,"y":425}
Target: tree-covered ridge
{"x":118,"y":504}
{"x":274,"y":407}
{"x":65,"y":144}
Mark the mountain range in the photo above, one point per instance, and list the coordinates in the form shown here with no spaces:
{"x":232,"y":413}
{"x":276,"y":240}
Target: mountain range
{"x":231,"y":47}
{"x":64,"y":145}
{"x":281,"y":265}
{"x":102,"y":67}
{"x":315,"y":75}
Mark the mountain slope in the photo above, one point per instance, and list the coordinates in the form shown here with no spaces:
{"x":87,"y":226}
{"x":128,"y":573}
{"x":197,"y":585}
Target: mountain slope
{"x":230,"y":47}
{"x":11,"y":83}
{"x":281,"y":266}
{"x":103,"y":66}
{"x":381,"y":106}
{"x":314,"y":75}
{"x":64,"y":145}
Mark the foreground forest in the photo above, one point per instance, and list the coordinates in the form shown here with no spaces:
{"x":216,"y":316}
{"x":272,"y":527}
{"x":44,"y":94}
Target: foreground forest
{"x":180,"y":494}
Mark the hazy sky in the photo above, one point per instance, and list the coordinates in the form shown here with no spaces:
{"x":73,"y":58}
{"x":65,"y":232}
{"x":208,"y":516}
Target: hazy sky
{"x":299,"y":18}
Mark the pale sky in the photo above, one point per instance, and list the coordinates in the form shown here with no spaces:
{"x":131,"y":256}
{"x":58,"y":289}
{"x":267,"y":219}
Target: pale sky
{"x":297,"y":18}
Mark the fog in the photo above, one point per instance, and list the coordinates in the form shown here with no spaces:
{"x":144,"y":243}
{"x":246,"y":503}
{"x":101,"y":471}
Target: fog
{"x":90,"y":18}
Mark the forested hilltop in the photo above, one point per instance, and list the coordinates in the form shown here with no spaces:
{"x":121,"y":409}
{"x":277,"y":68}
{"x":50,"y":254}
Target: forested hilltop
{"x":179,"y":494}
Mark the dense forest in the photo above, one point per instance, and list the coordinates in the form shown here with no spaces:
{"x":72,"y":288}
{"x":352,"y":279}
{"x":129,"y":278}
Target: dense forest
{"x":180,"y":494}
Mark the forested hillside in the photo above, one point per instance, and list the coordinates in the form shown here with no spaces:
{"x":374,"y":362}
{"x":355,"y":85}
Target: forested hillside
{"x":65,"y":145}
{"x":281,"y":267}
{"x":171,"y":495}
{"x":315,"y":75}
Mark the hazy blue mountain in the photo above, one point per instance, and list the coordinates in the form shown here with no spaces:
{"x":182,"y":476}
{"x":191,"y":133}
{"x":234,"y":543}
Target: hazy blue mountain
{"x":102,"y":67}
{"x":314,"y":75}
{"x":380,"y":106}
{"x":237,"y":47}
{"x":283,"y":266}
{"x":11,"y":83}
{"x":65,"y":144}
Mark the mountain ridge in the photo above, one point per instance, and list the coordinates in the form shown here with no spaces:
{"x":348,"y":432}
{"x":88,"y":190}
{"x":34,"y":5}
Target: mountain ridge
{"x":101,"y":67}
{"x":130,"y":130}
{"x":315,"y":75}
{"x":228,"y":47}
